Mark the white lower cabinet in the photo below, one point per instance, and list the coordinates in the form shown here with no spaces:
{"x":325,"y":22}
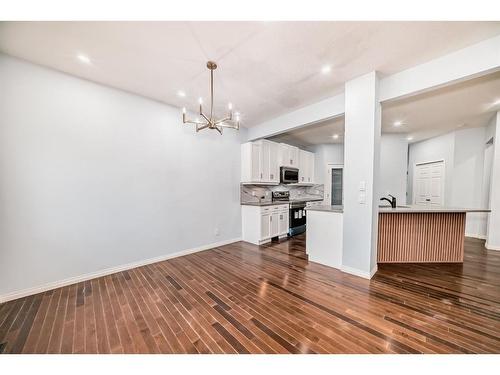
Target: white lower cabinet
{"x":261,"y":223}
{"x":283,"y":222}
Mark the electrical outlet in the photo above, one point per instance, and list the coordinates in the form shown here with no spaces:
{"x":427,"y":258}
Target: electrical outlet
{"x":217,"y":232}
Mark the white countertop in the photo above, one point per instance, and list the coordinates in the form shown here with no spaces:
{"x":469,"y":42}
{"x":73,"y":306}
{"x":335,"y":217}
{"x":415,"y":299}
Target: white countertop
{"x":425,"y":209}
{"x":326,"y":208}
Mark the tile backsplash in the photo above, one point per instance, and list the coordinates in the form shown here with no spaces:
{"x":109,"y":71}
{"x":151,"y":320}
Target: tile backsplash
{"x":262,"y":193}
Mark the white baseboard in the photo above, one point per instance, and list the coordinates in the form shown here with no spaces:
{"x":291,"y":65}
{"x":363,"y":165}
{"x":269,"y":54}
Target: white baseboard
{"x":479,"y":236}
{"x":108,"y":271}
{"x":491,"y":247}
{"x":357,"y":272}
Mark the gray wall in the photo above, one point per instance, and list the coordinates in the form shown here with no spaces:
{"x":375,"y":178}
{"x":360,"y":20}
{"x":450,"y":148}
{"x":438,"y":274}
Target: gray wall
{"x":464,"y":154}
{"x":393,"y":166}
{"x":92,"y":178}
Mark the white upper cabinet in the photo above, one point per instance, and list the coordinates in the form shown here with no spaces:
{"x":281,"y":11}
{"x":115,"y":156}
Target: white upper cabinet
{"x":289,"y":156}
{"x":259,"y":162}
{"x":306,"y":167}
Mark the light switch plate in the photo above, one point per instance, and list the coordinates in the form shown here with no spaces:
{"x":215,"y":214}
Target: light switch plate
{"x":362,"y":186}
{"x":362,"y":198}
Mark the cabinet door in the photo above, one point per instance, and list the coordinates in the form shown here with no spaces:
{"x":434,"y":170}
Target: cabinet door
{"x":274,"y":168}
{"x":310,"y":167}
{"x":274,"y":221}
{"x":265,"y":229}
{"x":264,"y":161}
{"x":294,"y":156}
{"x":255,"y":160}
{"x":284,"y":155}
{"x":303,"y":166}
{"x":283,"y":222}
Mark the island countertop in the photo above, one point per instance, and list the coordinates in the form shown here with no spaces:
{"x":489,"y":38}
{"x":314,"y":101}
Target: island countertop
{"x":424,"y":209}
{"x":326,"y":208}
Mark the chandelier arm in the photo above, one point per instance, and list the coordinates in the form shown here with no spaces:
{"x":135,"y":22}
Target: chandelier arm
{"x":219,"y":129}
{"x":206,"y":119}
{"x":228,"y":125}
{"x":204,"y":126}
{"x":223,"y":120}
{"x":195,"y":122}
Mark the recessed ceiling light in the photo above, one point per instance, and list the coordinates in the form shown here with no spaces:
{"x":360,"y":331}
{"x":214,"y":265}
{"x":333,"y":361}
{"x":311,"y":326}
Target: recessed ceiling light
{"x":335,"y":136}
{"x":397,"y":123}
{"x":181,"y":93}
{"x":410,"y":138}
{"x":326,"y":69}
{"x":83,"y":58}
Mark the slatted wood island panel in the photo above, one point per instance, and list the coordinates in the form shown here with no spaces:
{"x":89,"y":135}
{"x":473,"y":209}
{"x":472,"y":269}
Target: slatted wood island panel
{"x":421,"y":237}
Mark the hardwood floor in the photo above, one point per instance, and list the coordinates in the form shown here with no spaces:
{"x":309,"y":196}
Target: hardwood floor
{"x":242,"y":298}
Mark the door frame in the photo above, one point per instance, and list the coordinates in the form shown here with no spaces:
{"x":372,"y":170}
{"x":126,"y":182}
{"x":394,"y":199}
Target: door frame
{"x":415,"y":180}
{"x":328,"y":181}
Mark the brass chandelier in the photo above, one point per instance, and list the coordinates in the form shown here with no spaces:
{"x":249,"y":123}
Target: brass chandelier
{"x":209,"y":122}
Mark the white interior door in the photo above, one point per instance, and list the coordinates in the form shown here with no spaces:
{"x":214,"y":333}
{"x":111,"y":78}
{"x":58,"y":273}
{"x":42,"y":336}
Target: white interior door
{"x":428,"y":184}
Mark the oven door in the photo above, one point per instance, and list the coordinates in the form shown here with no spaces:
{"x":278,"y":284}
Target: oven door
{"x":289,"y":175}
{"x":297,"y":217}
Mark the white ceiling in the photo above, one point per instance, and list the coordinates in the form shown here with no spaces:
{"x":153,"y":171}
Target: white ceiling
{"x":315,"y":134}
{"x":265,"y":68}
{"x":464,"y":105}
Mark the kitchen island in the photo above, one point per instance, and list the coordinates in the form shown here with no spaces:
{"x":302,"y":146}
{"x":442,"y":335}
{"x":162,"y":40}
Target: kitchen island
{"x":420,"y":234}
{"x":324,"y":235}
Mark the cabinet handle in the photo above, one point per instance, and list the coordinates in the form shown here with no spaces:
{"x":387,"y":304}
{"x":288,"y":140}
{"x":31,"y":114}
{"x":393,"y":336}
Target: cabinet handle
{"x":291,"y":162}
{"x":272,"y":176}
{"x":281,"y":217}
{"x":302,"y":178}
{"x":270,"y":218}
{"x":261,"y":176}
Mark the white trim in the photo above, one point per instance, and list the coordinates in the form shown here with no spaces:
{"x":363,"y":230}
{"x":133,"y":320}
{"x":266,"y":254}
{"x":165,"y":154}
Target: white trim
{"x":108,"y":271}
{"x":490,"y":247}
{"x":357,"y":272}
{"x":473,"y":235}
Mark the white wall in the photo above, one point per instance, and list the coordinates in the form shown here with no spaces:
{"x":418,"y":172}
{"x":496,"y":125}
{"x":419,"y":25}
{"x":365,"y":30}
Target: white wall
{"x":464,"y":154}
{"x":92,"y":178}
{"x":361,"y":175}
{"x":493,"y":234}
{"x":323,"y":154}
{"x":467,"y":178}
{"x":433,"y":149}
{"x":393,"y":166}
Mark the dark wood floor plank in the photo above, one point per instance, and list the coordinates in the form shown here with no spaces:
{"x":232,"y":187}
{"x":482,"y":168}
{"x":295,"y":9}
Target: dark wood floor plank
{"x":242,"y":298}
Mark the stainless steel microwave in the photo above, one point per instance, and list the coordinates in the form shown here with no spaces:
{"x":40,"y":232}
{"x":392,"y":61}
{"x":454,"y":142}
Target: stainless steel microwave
{"x":289,"y":175}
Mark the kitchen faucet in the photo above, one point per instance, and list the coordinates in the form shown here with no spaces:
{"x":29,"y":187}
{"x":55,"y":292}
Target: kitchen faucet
{"x":392,"y":201}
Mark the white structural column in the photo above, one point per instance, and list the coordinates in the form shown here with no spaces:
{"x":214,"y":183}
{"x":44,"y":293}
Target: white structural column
{"x":361,"y":168}
{"x":493,"y":236}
